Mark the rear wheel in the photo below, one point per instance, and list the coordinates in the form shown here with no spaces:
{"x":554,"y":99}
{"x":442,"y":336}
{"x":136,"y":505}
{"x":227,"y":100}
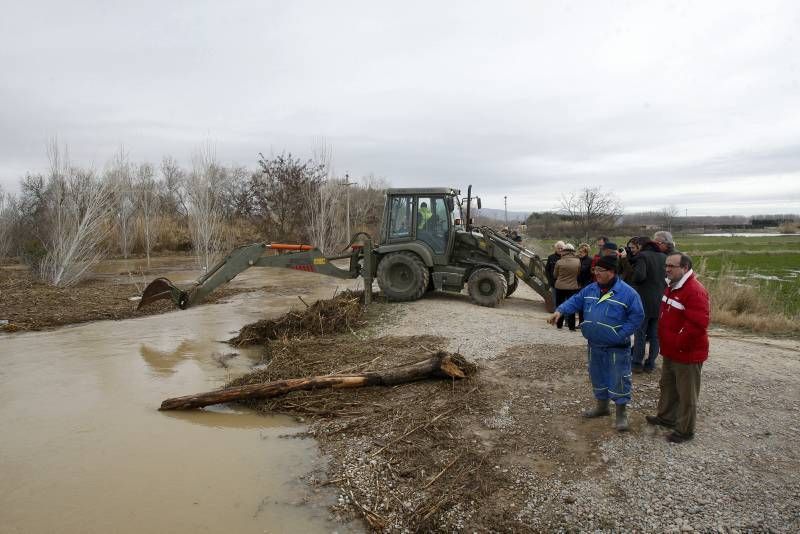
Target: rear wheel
{"x":513,"y":282}
{"x":487,"y":287}
{"x":402,"y":276}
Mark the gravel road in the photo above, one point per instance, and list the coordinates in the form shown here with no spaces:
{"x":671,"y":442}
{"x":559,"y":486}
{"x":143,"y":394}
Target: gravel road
{"x":741,"y":472}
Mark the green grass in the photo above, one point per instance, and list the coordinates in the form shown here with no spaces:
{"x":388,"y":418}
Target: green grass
{"x":770,"y":263}
{"x":742,"y":245}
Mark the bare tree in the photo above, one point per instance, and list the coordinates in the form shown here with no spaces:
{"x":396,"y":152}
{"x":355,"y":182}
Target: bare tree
{"x":668,"y":215}
{"x":591,"y":210}
{"x":174,"y":180}
{"x":324,"y":214}
{"x":120,"y":178}
{"x":204,"y":210}
{"x":77,"y":206}
{"x":277,"y":195}
{"x":146,"y":189}
{"x":8,"y":219}
{"x":366,"y":203}
{"x":324,"y":199}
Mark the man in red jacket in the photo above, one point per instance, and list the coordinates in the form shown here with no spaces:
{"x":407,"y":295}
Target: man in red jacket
{"x":683,"y":336}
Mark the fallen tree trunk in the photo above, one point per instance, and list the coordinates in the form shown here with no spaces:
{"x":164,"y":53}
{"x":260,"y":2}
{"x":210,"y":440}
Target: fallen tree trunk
{"x":440,"y":365}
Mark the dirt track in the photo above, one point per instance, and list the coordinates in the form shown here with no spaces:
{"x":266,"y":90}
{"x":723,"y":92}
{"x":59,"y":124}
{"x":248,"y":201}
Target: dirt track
{"x":507,"y":449}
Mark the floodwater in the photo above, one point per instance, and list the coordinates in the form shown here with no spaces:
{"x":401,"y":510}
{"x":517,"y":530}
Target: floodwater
{"x":83,"y":448}
{"x":747,"y":234}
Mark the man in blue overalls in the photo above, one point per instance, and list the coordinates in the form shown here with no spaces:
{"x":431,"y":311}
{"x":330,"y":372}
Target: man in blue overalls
{"x":612,"y":312}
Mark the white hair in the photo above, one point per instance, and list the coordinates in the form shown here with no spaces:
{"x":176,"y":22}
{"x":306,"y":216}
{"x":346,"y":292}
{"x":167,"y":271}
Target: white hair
{"x":663,"y":235}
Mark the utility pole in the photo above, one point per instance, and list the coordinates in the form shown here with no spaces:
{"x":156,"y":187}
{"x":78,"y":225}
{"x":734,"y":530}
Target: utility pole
{"x":505,"y":204}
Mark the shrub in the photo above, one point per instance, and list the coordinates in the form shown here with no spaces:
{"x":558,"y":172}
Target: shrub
{"x":742,"y":303}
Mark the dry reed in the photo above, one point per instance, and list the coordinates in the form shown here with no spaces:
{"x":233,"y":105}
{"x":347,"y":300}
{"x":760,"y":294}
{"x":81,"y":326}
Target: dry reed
{"x":740,"y":302}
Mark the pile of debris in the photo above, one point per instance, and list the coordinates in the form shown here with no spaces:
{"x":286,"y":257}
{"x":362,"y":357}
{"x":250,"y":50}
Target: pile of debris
{"x":325,"y":317}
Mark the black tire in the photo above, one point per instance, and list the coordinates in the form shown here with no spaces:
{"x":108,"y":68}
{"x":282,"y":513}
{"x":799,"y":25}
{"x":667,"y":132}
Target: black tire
{"x":512,"y":285}
{"x":487,"y":287}
{"x":402,"y":276}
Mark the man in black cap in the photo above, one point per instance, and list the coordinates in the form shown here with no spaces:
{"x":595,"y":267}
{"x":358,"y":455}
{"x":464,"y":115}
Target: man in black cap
{"x":612,"y":312}
{"x":607,"y":248}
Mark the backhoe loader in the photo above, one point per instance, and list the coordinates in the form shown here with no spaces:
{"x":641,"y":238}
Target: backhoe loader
{"x":425,"y":245}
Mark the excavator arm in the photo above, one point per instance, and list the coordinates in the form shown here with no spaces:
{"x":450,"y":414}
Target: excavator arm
{"x":524,"y":263}
{"x":299,"y":257}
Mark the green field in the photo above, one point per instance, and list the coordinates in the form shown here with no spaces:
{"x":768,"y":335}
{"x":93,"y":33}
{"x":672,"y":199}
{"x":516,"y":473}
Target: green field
{"x":772,"y":263}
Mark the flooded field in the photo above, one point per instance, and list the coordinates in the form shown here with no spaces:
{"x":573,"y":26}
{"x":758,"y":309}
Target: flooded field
{"x":84,"y":448}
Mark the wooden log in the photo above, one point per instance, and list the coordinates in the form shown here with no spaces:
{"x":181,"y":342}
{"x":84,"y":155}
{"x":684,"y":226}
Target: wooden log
{"x":439,"y":365}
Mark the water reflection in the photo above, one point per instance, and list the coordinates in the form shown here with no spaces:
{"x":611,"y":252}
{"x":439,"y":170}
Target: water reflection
{"x":221,"y":417}
{"x":84,"y":448}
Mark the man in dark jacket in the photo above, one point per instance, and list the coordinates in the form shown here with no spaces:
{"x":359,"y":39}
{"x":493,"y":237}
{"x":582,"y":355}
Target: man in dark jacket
{"x":664,"y":241}
{"x":683,"y":333}
{"x":648,"y":280}
{"x":550,"y":266}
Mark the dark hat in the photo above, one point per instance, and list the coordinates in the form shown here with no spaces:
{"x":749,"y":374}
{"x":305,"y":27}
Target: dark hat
{"x":607,"y":262}
{"x":611,"y":246}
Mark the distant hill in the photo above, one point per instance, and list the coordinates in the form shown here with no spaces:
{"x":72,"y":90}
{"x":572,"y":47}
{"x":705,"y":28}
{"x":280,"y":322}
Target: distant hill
{"x":513,"y":216}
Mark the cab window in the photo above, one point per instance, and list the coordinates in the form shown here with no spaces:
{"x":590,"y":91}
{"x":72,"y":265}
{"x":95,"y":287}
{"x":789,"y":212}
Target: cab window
{"x":400,"y":211}
{"x":433,"y":222}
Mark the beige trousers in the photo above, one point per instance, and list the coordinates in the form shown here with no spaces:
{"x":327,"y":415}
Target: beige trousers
{"x":680,"y":388}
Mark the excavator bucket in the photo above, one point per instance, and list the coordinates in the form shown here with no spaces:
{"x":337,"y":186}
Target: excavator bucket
{"x":159,"y":289}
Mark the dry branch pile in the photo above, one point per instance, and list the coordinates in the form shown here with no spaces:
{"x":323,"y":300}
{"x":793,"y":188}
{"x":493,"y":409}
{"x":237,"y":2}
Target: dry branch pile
{"x":341,"y":313}
{"x":442,"y":365}
{"x":401,"y":456}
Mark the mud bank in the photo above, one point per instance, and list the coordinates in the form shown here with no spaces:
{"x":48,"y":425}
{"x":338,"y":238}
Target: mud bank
{"x":508,"y":450}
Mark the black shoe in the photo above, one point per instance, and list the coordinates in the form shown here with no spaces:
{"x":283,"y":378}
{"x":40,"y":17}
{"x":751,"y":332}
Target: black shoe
{"x":637,"y":369}
{"x":655,"y":420}
{"x":649,"y":370}
{"x":677,"y":437}
{"x":572,"y":329}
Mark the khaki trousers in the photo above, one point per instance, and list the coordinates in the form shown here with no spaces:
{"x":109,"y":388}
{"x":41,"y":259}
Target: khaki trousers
{"x":680,"y":388}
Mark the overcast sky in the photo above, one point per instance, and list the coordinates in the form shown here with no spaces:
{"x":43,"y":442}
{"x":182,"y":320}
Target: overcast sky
{"x":693,"y":104}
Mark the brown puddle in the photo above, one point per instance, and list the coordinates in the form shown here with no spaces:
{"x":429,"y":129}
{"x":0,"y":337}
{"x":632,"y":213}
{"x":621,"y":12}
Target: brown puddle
{"x":84,"y":449}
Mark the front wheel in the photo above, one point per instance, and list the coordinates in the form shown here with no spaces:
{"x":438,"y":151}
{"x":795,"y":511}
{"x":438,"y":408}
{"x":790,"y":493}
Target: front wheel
{"x":402,"y":276}
{"x":487,"y":287}
{"x":513,"y":283}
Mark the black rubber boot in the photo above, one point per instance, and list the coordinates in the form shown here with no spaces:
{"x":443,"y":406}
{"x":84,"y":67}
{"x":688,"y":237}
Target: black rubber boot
{"x":598,"y":411}
{"x":621,"y":424}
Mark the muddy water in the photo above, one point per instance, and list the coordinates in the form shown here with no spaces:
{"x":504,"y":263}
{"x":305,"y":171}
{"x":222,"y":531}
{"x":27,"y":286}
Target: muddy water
{"x":83,"y":448}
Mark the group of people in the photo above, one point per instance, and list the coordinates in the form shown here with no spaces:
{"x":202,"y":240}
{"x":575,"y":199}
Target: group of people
{"x":647,"y":290}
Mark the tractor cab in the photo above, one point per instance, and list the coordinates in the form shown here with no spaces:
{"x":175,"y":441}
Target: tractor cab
{"x":424,"y":217}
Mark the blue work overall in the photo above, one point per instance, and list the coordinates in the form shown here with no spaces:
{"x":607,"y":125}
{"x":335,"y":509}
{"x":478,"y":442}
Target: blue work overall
{"x":610,"y":318}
